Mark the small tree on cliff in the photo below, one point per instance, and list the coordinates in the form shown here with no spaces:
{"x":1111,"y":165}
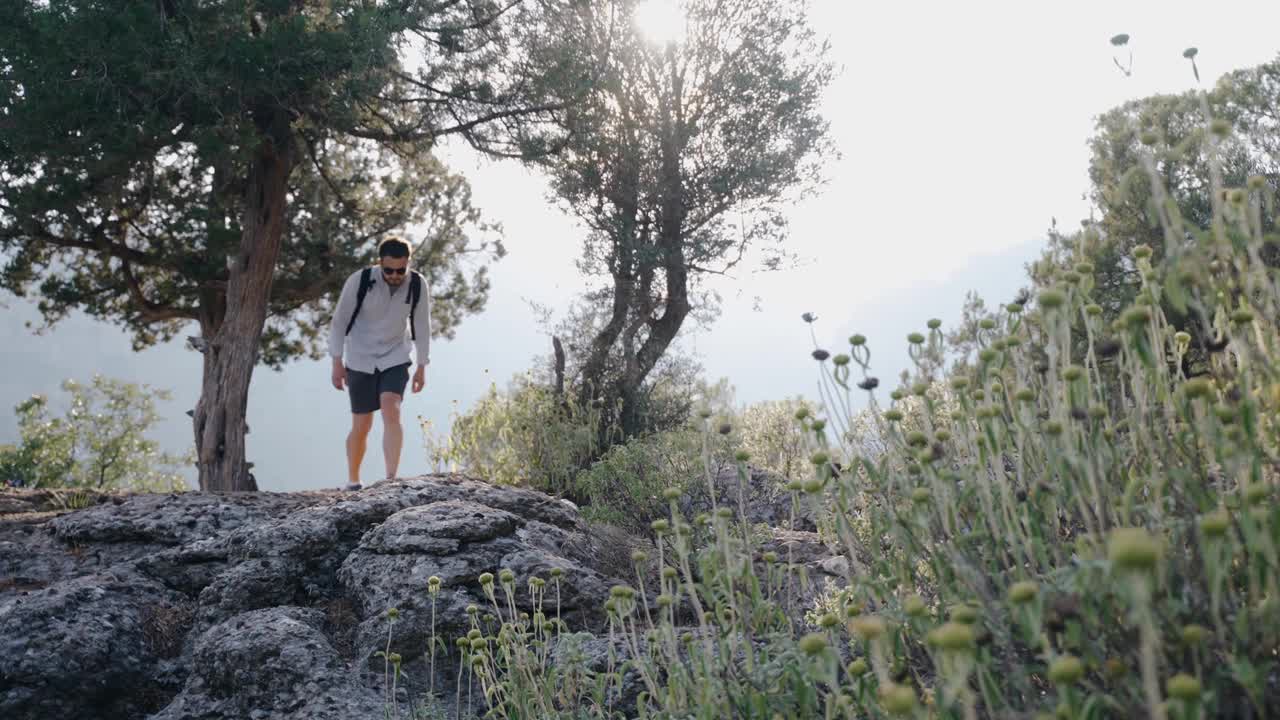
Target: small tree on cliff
{"x":229,"y":163}
{"x":682,"y":157}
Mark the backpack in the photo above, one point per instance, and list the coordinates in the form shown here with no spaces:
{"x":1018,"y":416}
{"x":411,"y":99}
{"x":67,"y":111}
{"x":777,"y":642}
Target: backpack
{"x":415,"y":293}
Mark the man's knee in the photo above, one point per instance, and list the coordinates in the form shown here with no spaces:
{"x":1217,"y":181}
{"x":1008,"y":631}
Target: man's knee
{"x":391,"y":407}
{"x":361,"y":423}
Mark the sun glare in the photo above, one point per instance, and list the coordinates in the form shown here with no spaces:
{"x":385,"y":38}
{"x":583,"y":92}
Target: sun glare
{"x":660,"y":21}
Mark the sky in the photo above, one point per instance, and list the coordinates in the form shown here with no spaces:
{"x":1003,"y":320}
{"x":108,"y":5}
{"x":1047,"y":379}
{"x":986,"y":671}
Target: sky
{"x":962,"y":129}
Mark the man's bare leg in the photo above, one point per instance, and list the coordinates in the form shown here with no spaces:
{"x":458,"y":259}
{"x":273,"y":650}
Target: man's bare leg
{"x":392,"y":432}
{"x":357,"y":441}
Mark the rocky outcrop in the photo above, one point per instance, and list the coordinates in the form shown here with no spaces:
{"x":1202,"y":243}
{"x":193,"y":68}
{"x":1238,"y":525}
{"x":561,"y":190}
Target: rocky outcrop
{"x":764,"y":495}
{"x":266,"y":605}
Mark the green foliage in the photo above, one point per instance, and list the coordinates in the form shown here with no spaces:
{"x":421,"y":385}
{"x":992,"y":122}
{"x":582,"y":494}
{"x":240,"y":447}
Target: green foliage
{"x":683,"y":158}
{"x":130,"y":132}
{"x":1025,"y":538}
{"x":522,"y":436}
{"x":624,"y":487}
{"x":99,"y":443}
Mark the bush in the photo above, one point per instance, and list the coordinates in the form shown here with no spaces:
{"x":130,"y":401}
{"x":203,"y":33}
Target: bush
{"x":100,"y":442}
{"x":1037,"y":542}
{"x":524,"y":436}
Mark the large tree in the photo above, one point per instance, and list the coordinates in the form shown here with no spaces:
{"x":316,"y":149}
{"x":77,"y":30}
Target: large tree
{"x":681,"y":158}
{"x":229,"y":163}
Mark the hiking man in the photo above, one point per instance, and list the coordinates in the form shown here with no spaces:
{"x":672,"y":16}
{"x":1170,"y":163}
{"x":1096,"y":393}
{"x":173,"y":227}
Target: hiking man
{"x":382,"y":311}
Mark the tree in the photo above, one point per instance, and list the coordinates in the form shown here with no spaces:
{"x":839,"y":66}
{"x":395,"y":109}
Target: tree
{"x":100,"y":442}
{"x":680,"y":159}
{"x":230,"y":163}
{"x":1172,"y":130}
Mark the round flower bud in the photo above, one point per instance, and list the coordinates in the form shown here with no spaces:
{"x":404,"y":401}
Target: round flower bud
{"x":857,"y":668}
{"x":840,"y":360}
{"x":1194,"y":634}
{"x":1241,"y":316}
{"x":1183,"y":687}
{"x":802,"y":413}
{"x":1052,"y":298}
{"x":639,"y":556}
{"x":556,"y":572}
{"x":892,"y":415}
{"x":898,"y":699}
{"x":742,"y":456}
{"x":724,"y":513}
{"x":915,"y":339}
{"x":506,"y":576}
{"x":1021,"y":593}
{"x":820,"y":355}
{"x":987,"y":324}
{"x":897,"y":395}
{"x":828,"y":620}
{"x":725,"y":428}
{"x":393,"y":613}
{"x":671,"y":493}
{"x":1142,"y":252}
{"x":819,"y":458}
{"x":1136,"y":316}
{"x":813,"y":643}
{"x":1133,"y":549}
{"x":920,"y":496}
{"x":1198,"y":387}
{"x":934,"y":324}
{"x":1149,"y":137}
{"x":479,"y":644}
{"x":919,"y":389}
{"x":704,"y":413}
{"x":868,"y":627}
{"x":857,"y":340}
{"x":987,"y":355}
{"x":669,"y":573}
{"x":959,"y":383}
{"x":966,"y":614}
{"x":952,"y":636}
{"x":915,"y":438}
{"x":914,"y":606}
{"x":486,"y":578}
{"x":659,"y":526}
{"x":1182,"y":337}
{"x":813,"y":486}
{"x":1256,"y":493}
{"x":770,"y":557}
{"x":1066,"y":670}
{"x":1013,"y":308}
{"x":1084,"y":267}
{"x":1071,"y":373}
{"x":795,"y":485}
{"x":1025,"y":395}
{"x":942,"y":435}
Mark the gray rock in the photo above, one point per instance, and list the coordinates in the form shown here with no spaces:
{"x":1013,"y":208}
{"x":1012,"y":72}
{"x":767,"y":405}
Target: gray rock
{"x":271,"y":663}
{"x":97,"y":646}
{"x":764,"y":495}
{"x":269,"y":605}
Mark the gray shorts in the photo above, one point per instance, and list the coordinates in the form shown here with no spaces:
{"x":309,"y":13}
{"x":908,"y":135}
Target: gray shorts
{"x":365,"y":389}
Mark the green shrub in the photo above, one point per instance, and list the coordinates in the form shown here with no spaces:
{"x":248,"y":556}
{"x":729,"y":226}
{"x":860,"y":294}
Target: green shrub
{"x":523,"y":436}
{"x":1075,"y":528}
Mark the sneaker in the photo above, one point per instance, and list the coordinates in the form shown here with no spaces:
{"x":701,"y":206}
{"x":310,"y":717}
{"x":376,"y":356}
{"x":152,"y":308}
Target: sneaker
{"x":353,"y":486}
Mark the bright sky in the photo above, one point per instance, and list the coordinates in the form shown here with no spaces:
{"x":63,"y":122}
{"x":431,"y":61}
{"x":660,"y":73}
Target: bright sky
{"x":963,"y":129}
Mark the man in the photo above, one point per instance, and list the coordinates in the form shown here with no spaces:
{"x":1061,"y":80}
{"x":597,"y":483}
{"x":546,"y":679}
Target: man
{"x":382,"y":311}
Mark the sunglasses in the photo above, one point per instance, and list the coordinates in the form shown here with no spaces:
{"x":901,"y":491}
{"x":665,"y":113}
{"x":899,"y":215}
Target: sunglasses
{"x":395,"y":271}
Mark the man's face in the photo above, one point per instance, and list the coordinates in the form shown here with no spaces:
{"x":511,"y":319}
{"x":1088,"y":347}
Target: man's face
{"x":395,"y":270}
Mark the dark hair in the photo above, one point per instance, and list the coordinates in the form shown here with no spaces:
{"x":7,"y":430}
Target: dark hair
{"x":394,"y":247}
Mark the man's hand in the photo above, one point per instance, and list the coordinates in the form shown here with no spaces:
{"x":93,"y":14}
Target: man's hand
{"x":339,"y":374}
{"x":419,"y":378}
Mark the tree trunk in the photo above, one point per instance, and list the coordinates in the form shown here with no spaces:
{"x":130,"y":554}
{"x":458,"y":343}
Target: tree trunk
{"x":232,"y":352}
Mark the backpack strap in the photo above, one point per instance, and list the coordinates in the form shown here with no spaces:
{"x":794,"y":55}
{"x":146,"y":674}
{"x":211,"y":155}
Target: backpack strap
{"x":366,"y":281}
{"x":415,"y":292}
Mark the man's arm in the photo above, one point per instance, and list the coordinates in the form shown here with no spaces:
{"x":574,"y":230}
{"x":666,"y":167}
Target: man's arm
{"x":422,"y":325}
{"x":338,"y":327}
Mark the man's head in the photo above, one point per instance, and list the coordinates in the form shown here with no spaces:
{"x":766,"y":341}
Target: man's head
{"x":393,"y":255}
